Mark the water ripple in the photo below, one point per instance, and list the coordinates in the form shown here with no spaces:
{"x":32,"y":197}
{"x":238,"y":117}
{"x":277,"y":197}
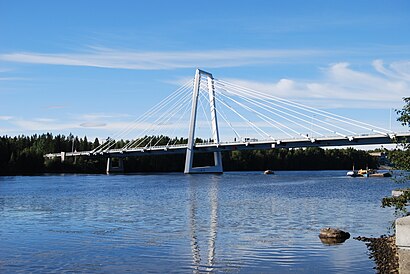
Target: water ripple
{"x":235,"y":222}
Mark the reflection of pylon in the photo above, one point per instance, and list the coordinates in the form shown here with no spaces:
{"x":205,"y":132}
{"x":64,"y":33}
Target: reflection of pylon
{"x":217,"y":168}
{"x":195,"y":247}
{"x":213,"y":196}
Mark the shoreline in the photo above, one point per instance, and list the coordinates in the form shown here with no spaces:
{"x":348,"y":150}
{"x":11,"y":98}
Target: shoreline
{"x":383,"y":251}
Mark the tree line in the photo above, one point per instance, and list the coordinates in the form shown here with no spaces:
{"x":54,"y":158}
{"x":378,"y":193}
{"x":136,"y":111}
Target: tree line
{"x":25,"y":155}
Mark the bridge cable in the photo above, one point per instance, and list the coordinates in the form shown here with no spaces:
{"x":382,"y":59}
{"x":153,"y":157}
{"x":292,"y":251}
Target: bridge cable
{"x":111,"y":141}
{"x":316,"y":111}
{"x":299,"y":113}
{"x":222,"y":114}
{"x":257,"y":129}
{"x":266,"y":117}
{"x":176,"y":106}
{"x":257,"y":103}
{"x":179,"y":98}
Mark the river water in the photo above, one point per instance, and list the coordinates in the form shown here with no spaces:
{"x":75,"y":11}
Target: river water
{"x":243,"y":222}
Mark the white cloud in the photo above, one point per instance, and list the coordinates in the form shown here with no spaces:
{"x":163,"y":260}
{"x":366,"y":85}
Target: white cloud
{"x":342,"y":86}
{"x":139,"y":60}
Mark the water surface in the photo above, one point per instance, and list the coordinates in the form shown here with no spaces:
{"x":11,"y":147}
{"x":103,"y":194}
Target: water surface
{"x":243,"y":222}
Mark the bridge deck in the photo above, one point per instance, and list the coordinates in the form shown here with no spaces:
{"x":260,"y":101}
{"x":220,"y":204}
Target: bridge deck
{"x":375,"y":139}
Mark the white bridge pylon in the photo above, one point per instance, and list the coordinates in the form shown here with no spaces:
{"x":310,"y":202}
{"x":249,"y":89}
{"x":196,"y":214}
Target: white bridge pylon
{"x":223,"y":116}
{"x":217,"y":167}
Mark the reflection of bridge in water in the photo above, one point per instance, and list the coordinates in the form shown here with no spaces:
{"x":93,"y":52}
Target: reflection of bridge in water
{"x":238,"y":118}
{"x":197,"y":259}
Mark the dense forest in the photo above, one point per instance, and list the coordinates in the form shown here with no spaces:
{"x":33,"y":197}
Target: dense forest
{"x":24,"y":155}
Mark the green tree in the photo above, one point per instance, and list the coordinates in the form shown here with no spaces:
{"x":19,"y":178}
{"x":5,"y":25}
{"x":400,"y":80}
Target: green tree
{"x":400,"y":157}
{"x":404,"y":113}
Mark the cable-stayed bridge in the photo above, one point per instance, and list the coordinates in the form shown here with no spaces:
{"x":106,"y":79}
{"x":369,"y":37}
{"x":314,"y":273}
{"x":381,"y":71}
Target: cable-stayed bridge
{"x":228,"y":117}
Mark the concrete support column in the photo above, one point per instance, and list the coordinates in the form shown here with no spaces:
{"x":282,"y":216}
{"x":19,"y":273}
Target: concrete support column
{"x":115,"y":169}
{"x":62,"y":156}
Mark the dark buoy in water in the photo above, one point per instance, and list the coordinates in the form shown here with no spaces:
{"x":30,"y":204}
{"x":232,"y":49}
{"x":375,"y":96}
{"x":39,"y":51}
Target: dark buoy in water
{"x":268,"y":171}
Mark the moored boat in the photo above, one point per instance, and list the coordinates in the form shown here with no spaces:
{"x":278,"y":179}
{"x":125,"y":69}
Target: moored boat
{"x":352,"y":173}
{"x":381,"y":174}
{"x":368,"y":173}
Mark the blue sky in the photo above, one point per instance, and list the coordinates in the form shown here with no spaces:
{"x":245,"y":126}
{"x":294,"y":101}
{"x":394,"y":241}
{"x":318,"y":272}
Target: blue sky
{"x":91,"y":67}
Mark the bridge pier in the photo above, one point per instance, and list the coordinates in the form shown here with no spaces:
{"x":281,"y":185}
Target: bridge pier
{"x":115,"y":169}
{"x":62,"y":156}
{"x":189,"y":169}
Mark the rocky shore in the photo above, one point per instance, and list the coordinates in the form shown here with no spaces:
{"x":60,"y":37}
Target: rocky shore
{"x":383,"y":251}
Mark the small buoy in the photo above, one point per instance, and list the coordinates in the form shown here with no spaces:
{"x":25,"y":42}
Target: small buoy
{"x":268,"y":171}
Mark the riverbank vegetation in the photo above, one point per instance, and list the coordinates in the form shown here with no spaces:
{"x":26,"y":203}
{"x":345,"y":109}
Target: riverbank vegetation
{"x":24,"y":155}
{"x":401,"y":159}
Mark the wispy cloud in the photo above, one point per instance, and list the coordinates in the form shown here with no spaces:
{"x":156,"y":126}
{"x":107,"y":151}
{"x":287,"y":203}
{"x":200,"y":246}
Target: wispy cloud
{"x":44,"y":120}
{"x":55,"y":107}
{"x":12,"y":78}
{"x":107,"y":123}
{"x":342,"y":86}
{"x":97,"y":116}
{"x":5,"y":118}
{"x":3,"y":69}
{"x":5,"y":72}
{"x":90,"y":124}
{"x":90,"y":129}
{"x":43,"y":126}
{"x":397,"y":70}
{"x":157,"y":60}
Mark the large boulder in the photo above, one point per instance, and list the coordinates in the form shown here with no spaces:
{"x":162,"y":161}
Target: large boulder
{"x":331,"y":235}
